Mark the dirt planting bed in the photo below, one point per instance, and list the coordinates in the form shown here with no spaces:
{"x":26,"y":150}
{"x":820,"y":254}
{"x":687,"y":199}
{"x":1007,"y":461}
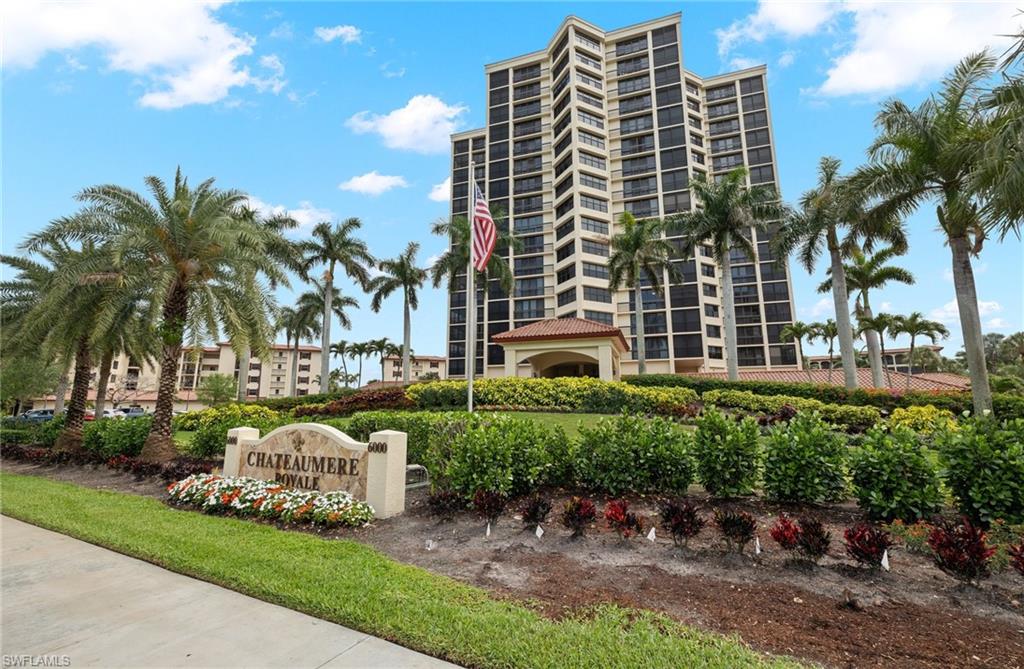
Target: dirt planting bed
{"x":831,"y":613}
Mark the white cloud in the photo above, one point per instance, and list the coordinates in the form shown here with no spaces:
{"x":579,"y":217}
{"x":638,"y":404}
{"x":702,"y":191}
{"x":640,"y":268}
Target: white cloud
{"x":997,"y":324}
{"x":823,"y":307}
{"x":390,"y":72}
{"x":741,"y":63}
{"x":886,"y":306}
{"x":275,"y":81}
{"x":196,"y":62}
{"x":948,"y":312}
{"x":786,"y":59}
{"x":980,"y":268}
{"x":423,"y":125}
{"x":284,"y":30}
{"x":432,"y":260}
{"x":373,"y":183}
{"x":306,"y":214}
{"x":790,"y":19}
{"x":347,"y":34}
{"x":441,"y":192}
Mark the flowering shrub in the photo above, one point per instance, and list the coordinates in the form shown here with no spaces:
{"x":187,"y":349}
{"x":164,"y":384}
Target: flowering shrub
{"x":923,"y":420}
{"x":984,"y":468}
{"x":682,"y":521}
{"x":621,"y":519}
{"x":1016,"y":554}
{"x":867,"y":543}
{"x":894,"y":476}
{"x":913,"y":536}
{"x":535,"y":510}
{"x":726,"y":453}
{"x":211,"y":428}
{"x":960,"y":550}
{"x":489,"y":504}
{"x":785,"y":532}
{"x":577,"y":513}
{"x":576,"y":394}
{"x":737,"y":528}
{"x":841,"y":415}
{"x":632,"y":454}
{"x":804,"y":461}
{"x":372,"y":399}
{"x":249,"y":497}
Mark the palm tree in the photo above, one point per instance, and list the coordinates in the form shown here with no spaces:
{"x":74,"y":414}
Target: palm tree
{"x":933,"y":153}
{"x":455,"y":259}
{"x":301,"y":323}
{"x":402,"y":274}
{"x":199,"y":263}
{"x":381,"y":347}
{"x":340,"y":350}
{"x":827,"y":332}
{"x":831,"y":217}
{"x":639,"y":253}
{"x":333,"y":246}
{"x":358,"y":351}
{"x":133,"y":334}
{"x":864,"y":273}
{"x":916,"y":325}
{"x":882,"y":324}
{"x":728,"y":213}
{"x":798,"y":331}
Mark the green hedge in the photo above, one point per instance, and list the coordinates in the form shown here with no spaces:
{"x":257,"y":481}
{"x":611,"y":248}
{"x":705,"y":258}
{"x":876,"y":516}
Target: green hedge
{"x":804,"y":461}
{"x":212,"y":425}
{"x":1005,"y":405}
{"x":727,"y":454}
{"x":984,"y":468}
{"x":852,"y":417}
{"x":570,"y":394}
{"x":420,"y":426}
{"x":894,"y":477}
{"x":112,"y":436}
{"x":289,"y":403}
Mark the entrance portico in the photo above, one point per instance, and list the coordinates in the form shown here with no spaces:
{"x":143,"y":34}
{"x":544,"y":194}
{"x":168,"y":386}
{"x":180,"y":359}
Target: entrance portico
{"x":564,"y":347}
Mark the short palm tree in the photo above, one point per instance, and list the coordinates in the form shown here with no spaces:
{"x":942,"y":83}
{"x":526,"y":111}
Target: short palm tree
{"x":882,"y":324}
{"x":455,"y":259}
{"x":339,"y":349}
{"x":358,"y":351}
{"x":798,"y":331}
{"x":403,"y":274}
{"x":381,"y":347}
{"x":865,"y":273}
{"x":331,"y":246}
{"x":199,"y":262}
{"x":831,"y":218}
{"x":934,"y":152}
{"x":828,"y":332}
{"x":639,"y":254}
{"x":728,"y":212}
{"x":299,"y":324}
{"x":916,"y":325}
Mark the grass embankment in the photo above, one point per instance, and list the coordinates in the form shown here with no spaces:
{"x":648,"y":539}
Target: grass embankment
{"x":348,"y":583}
{"x":183,"y":439}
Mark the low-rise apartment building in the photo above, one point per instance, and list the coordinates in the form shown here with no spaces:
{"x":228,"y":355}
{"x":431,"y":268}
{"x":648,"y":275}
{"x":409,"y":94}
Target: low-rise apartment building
{"x":420,"y":367}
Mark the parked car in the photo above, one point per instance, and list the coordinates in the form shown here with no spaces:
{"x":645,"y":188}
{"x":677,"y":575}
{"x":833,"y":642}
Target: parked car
{"x":90,"y":414}
{"x":37,"y":415}
{"x":130,"y":412}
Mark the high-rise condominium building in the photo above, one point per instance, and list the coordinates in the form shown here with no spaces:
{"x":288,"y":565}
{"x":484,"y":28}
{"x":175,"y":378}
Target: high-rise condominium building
{"x":596,"y":124}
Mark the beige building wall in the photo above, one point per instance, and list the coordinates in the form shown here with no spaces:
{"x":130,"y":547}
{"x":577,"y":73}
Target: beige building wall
{"x":420,"y":365}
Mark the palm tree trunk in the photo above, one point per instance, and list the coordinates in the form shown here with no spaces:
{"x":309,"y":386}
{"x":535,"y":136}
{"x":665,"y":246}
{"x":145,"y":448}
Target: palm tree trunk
{"x":885,"y":364}
{"x":732,"y":355}
{"x":874,"y":349}
{"x":406,"y":343}
{"x":70,"y":438}
{"x":243,"y":375}
{"x":325,"y":334}
{"x":910,"y":361}
{"x":831,"y":362}
{"x":641,"y":343}
{"x":159,"y":446}
{"x":58,"y":394}
{"x":360,"y":371}
{"x":344,"y":368}
{"x":101,"y":383}
{"x":803,"y":361}
{"x":970,"y":324}
{"x":841,"y":299}
{"x":294,"y":372}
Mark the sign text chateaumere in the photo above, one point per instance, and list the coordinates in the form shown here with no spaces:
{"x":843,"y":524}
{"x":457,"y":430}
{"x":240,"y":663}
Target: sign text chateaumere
{"x":303,"y":471}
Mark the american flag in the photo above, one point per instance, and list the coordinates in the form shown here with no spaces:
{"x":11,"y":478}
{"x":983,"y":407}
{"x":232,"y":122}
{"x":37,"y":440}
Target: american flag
{"x":485,"y":234}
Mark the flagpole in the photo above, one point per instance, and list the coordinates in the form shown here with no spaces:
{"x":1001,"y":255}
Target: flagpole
{"x":470,"y":295}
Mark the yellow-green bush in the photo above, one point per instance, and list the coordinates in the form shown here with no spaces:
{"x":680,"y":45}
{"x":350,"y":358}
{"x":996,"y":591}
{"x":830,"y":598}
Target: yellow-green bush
{"x":859,"y":417}
{"x":922,"y":419}
{"x":211,"y":427}
{"x":571,"y":394}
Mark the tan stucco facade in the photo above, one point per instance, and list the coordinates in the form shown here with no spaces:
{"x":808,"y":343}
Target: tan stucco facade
{"x":535,"y":358}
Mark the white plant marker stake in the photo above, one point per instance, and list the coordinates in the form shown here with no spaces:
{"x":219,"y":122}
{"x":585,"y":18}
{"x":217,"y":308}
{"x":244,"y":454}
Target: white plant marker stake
{"x":757,"y":546}
{"x":885,"y":560}
{"x":488,"y":532}
{"x":430,"y":544}
{"x":539,"y":531}
{"x":651,"y":536}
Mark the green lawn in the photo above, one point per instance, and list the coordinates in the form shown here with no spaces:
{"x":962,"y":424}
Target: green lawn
{"x":183,"y":438}
{"x":354,"y":585}
{"x":567,"y":421}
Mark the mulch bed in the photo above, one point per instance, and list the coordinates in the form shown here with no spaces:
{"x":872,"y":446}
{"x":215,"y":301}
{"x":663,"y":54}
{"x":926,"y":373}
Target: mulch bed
{"x":832,"y":613}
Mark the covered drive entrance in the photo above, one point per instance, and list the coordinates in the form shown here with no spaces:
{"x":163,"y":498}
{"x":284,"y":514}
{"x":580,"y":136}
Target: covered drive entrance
{"x":563,"y":347}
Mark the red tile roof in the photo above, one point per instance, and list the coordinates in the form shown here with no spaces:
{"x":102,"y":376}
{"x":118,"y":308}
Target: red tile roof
{"x":561,"y":328}
{"x":923,"y":381}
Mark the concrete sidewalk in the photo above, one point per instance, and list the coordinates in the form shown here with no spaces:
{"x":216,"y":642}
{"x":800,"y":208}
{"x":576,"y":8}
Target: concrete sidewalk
{"x":64,"y":597}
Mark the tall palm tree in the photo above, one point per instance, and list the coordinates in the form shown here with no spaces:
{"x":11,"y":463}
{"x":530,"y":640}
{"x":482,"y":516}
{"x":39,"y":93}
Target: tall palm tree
{"x":358,"y":351}
{"x":331,"y":246}
{"x":400,"y":273}
{"x":299,"y":324}
{"x":932,"y":153}
{"x":864,"y":273}
{"x":728,"y":213}
{"x":455,"y":259}
{"x":339,"y":349}
{"x":798,"y":331}
{"x":827,"y":332}
{"x":199,"y":262}
{"x":831,"y":218}
{"x":882,"y":324}
{"x":916,"y":325}
{"x":639,"y":253}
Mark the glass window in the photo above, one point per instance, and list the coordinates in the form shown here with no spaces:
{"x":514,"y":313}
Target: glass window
{"x":683,"y":296}
{"x":675,"y":180}
{"x":565,"y":251}
{"x":672,"y":137}
{"x":567,"y":297}
{"x":594,"y":247}
{"x":564,"y":229}
{"x":631,"y":105}
{"x":629,"y":46}
{"x":595,"y":294}
{"x":566,"y":273}
{"x":593,"y":225}
{"x":640,"y":83}
{"x":686,"y":320}
{"x":670,"y":116}
{"x":688,"y":346}
{"x":666,"y":56}
{"x":594,"y":203}
{"x":599,"y":316}
{"x":595,"y":270}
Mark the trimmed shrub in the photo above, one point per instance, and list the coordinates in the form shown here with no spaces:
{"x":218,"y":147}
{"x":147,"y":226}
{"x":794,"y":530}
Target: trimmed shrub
{"x":211,"y":432}
{"x":960,"y":550}
{"x":894,"y":477}
{"x":108,"y":437}
{"x":445,"y":503}
{"x":419,"y":425}
{"x":737,"y":528}
{"x":923,"y":420}
{"x":785,"y":532}
{"x":1016,"y":554}
{"x":289,"y":403}
{"x":48,"y":431}
{"x":572,"y":394}
{"x":535,"y":510}
{"x":682,"y":521}
{"x":847,"y":417}
{"x":17,"y":435}
{"x":372,"y":399}
{"x":503,"y":454}
{"x":489,"y":504}
{"x":867,"y":543}
{"x":577,"y":513}
{"x":984,"y":468}
{"x":633,"y":454}
{"x":804,"y":461}
{"x":814,"y":540}
{"x":621,"y":519}
{"x":726,"y":453}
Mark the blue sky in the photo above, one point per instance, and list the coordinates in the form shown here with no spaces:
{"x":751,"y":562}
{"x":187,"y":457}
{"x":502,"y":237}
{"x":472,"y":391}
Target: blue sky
{"x":332,"y":110}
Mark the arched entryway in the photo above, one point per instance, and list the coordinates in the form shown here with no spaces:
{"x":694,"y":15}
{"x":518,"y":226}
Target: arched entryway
{"x":553,"y":364}
{"x":563,"y":347}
